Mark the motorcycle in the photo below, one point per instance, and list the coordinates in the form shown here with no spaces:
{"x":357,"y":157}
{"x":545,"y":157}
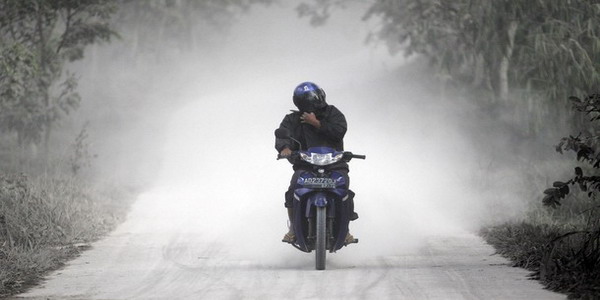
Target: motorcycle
{"x":321,"y":210}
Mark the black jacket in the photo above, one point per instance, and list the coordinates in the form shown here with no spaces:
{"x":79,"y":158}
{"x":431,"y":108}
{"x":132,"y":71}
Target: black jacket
{"x":331,"y":134}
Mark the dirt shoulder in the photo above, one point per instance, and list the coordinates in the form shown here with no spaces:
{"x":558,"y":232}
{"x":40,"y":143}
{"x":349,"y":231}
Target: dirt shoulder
{"x":45,"y":222}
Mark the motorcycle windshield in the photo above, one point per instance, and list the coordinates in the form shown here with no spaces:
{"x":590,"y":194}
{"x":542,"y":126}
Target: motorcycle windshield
{"x":321,"y":150}
{"x":321,"y":156}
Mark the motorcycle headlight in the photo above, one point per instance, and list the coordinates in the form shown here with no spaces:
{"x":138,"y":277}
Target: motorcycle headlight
{"x":321,"y":159}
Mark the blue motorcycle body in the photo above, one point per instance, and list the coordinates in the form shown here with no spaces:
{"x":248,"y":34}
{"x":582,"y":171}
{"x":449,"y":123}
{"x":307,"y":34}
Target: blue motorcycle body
{"x":321,"y":187}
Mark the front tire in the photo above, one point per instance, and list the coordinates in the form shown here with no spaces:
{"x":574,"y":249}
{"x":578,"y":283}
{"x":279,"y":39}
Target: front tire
{"x":321,"y":242}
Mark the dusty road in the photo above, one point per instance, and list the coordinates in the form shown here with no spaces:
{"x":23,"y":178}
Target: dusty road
{"x":212,"y":228}
{"x":161,"y":260}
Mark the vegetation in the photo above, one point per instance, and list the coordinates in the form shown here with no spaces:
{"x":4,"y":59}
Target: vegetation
{"x":46,"y":220}
{"x":518,"y":61}
{"x":570,"y":258}
{"x":560,"y":256}
{"x":156,"y":30}
{"x":515,"y":58}
{"x":39,"y":38}
{"x":499,"y":46}
{"x":46,"y":216}
{"x":51,"y":206}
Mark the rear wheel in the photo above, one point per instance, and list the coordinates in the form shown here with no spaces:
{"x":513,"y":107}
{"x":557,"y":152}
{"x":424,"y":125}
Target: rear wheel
{"x":320,"y":245}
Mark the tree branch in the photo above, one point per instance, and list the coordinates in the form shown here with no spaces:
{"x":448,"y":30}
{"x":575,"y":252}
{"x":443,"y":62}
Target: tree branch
{"x":67,"y":29}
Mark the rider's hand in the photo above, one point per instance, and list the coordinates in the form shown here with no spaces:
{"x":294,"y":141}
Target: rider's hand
{"x":285,"y":152}
{"x":311,"y":119}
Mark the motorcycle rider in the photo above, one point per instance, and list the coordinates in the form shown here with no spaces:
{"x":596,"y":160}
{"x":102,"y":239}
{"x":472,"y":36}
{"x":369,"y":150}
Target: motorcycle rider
{"x":315,"y":124}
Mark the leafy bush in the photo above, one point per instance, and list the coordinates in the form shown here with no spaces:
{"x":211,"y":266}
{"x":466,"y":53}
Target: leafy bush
{"x":585,"y":145}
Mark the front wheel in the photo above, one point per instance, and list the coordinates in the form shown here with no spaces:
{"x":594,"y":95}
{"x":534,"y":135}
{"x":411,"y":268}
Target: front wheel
{"x":321,"y":241}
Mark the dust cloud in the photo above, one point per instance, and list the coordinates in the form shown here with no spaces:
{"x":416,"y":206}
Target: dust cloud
{"x":207,"y":148}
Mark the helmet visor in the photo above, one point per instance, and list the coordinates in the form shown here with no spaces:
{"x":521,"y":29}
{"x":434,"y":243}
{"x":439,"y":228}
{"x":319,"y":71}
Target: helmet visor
{"x":308,"y":101}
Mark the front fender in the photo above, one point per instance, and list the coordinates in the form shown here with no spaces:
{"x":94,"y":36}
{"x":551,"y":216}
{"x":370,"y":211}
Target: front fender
{"x":318,"y":199}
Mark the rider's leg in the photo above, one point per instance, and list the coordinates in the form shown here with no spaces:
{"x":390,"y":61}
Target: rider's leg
{"x":290,"y":236}
{"x":353,"y":215}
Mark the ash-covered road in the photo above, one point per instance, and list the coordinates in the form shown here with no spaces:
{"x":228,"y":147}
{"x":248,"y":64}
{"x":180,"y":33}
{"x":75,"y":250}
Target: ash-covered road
{"x":162,"y":260}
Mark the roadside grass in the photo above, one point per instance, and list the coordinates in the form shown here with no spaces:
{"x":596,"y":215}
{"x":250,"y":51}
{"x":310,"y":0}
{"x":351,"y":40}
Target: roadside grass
{"x":46,"y":221}
{"x":560,"y":246}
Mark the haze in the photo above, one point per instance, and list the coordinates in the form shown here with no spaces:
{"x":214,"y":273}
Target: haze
{"x":195,"y":131}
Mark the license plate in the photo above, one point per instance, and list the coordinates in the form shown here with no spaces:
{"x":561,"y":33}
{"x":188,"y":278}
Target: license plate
{"x":319,"y":183}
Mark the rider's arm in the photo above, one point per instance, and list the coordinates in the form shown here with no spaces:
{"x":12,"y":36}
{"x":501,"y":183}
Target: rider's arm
{"x":334,"y":126}
{"x":281,"y":144}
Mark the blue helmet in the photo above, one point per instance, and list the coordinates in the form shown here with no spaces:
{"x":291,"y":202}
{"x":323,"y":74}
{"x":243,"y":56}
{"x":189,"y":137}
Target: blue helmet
{"x":309,"y":97}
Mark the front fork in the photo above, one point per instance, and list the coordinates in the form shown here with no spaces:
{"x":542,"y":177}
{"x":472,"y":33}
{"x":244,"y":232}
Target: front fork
{"x":330,"y":238}
{"x":312,"y":236}
{"x":320,"y":200}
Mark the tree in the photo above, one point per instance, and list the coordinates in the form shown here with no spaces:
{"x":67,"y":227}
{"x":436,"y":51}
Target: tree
{"x":163,"y":27}
{"x":19,"y":112}
{"x":506,"y":52}
{"x":54,"y":33}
